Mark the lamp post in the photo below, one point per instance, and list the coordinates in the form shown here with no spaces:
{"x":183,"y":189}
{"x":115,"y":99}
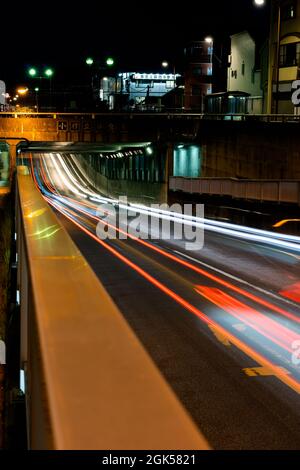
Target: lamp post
{"x":261,"y":3}
{"x":36,"y":98}
{"x":165,"y":64}
{"x":21,"y":92}
{"x":100,"y":65}
{"x":48,"y":73}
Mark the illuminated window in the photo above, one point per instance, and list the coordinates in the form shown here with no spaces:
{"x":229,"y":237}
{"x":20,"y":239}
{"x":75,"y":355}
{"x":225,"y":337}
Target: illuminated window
{"x":170,"y":84}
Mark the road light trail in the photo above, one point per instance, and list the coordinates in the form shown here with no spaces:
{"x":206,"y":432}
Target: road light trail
{"x":267,"y":328}
{"x":260,"y":359}
{"x":187,"y":264}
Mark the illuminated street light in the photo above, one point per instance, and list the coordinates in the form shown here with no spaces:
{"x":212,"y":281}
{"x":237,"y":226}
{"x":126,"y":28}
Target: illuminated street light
{"x":209,"y":40}
{"x":110,"y":61}
{"x":22,"y":90}
{"x":89,"y":61}
{"x":32,"y":72}
{"x":165,"y":64}
{"x":49,"y":72}
{"x":259,"y":3}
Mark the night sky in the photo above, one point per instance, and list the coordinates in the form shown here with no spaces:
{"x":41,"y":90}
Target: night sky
{"x":139,"y":35}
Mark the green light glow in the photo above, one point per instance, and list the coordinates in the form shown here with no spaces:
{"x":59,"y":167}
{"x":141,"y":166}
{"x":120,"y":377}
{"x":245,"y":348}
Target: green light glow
{"x":89,"y":61}
{"x":49,"y":72}
{"x":32,"y":72}
{"x":110,"y":61}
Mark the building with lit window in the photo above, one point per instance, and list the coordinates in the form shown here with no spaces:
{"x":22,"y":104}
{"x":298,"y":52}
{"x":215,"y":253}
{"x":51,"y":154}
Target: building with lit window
{"x":198,"y":74}
{"x":136,"y":91}
{"x":284,"y":55}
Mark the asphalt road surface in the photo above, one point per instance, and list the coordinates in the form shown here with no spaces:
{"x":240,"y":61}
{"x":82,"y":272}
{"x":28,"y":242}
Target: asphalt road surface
{"x":222,"y":323}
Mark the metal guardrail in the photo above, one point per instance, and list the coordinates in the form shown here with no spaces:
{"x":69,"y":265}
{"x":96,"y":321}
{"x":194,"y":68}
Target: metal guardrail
{"x":90,"y":383}
{"x":260,"y":190}
{"x":170,"y":113}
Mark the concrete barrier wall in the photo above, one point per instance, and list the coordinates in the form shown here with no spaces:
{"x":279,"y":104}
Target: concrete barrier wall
{"x":138,"y":191}
{"x":258,"y":190}
{"x":250,"y":150}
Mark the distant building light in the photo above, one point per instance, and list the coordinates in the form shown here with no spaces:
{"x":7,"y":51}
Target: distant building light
{"x":149,"y":150}
{"x":156,"y":76}
{"x":22,"y":380}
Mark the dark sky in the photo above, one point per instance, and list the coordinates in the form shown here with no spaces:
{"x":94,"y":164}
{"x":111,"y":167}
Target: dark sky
{"x":137,"y":34}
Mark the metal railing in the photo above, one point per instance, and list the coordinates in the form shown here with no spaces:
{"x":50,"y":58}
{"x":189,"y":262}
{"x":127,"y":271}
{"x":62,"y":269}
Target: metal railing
{"x":89,"y":382}
{"x":167,"y":112}
{"x":259,"y":190}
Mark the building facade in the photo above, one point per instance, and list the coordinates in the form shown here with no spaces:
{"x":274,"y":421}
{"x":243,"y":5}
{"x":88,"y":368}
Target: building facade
{"x":2,"y":96}
{"x":243,"y":71}
{"x":284,"y":55}
{"x":134,"y":90}
{"x":198,"y":74}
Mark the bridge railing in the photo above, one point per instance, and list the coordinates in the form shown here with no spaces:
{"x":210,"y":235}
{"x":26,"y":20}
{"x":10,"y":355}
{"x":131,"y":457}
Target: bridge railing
{"x":169,"y":113}
{"x":89,"y":382}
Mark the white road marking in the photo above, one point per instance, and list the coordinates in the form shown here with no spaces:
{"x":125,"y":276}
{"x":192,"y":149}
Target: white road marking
{"x":237,"y":279}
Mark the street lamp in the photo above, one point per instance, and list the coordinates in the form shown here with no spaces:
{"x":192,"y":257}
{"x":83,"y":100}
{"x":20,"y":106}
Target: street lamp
{"x":99,"y":68}
{"x":109,"y":61}
{"x":48,"y":73}
{"x":260,"y":3}
{"x":165,"y":64}
{"x":32,"y":72}
{"x":37,"y":98}
{"x":22,"y":90}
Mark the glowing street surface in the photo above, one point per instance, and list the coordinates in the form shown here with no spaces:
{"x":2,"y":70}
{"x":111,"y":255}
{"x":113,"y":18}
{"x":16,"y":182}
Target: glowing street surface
{"x":222,"y":323}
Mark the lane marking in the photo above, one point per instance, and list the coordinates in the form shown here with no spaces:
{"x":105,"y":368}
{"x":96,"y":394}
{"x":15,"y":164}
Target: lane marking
{"x":259,"y":322}
{"x":237,"y":279}
{"x":262,"y":371}
{"x":221,"y":338}
{"x":192,"y":267}
{"x":248,"y":350}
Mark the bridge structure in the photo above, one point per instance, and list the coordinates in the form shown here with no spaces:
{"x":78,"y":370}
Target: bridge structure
{"x":229,"y":143}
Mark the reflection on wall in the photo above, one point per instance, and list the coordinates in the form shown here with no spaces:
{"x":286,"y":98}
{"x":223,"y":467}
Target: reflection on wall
{"x":4,"y":165}
{"x":187,"y":161}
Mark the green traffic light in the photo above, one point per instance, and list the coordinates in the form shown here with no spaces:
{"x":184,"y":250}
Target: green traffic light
{"x":110,"y":61}
{"x":36,"y":88}
{"x":32,"y":72}
{"x":89,"y":61}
